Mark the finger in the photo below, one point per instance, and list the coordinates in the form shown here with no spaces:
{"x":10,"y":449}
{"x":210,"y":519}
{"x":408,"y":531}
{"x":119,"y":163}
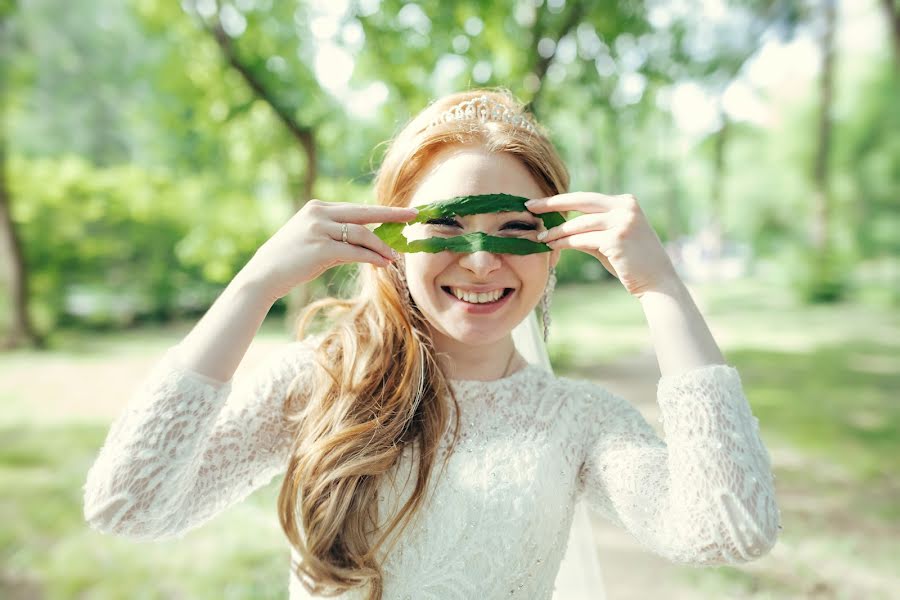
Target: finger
{"x":592,"y":241}
{"x":581,"y":201}
{"x":354,"y":253}
{"x":346,"y":212}
{"x":582,"y":223}
{"x":361,"y":236}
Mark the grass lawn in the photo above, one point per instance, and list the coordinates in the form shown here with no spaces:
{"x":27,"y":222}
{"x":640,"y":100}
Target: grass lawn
{"x":49,"y":552}
{"x":822,"y":381}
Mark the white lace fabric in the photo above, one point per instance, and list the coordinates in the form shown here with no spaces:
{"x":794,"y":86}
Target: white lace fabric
{"x":496,"y":522}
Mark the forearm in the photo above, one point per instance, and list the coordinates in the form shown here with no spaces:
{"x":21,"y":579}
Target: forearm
{"x":681,"y":338}
{"x":218,"y":342}
{"x":705,"y":495}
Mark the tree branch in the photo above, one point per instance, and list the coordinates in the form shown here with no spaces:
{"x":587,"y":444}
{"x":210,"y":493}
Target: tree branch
{"x":300,"y":132}
{"x":543,"y":63}
{"x":304,"y":135}
{"x":893,"y":15}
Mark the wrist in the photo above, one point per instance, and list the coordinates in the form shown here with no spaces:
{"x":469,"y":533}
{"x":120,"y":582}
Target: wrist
{"x":672,"y":287}
{"x":249,"y":285}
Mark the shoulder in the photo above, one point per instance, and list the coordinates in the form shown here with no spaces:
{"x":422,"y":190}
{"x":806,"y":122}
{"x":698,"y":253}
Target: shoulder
{"x":603,"y":419}
{"x":305,"y":347}
{"x":582,"y":391}
{"x":573,"y":398}
{"x":295,"y":351}
{"x":301,"y":354}
{"x":593,"y":407}
{"x":286,"y":362}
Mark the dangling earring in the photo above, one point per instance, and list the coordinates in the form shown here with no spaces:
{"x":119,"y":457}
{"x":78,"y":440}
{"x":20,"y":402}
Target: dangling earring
{"x":545,"y":302}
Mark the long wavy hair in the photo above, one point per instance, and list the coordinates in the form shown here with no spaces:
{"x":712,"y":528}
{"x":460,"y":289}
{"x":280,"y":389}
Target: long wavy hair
{"x":377,"y":388}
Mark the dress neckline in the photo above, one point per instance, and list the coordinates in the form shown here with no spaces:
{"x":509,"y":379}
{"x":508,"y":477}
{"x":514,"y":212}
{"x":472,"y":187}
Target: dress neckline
{"x":512,"y":377}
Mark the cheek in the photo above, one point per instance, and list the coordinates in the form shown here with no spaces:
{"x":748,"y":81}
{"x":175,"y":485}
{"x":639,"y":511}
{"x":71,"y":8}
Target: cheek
{"x":533,"y":268}
{"x":422,"y":268}
{"x":538,"y":272}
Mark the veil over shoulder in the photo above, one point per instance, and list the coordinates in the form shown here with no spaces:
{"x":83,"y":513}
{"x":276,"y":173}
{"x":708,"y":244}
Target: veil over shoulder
{"x":579,"y":577}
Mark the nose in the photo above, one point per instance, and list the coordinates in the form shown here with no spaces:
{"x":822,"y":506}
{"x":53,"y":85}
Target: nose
{"x":481,"y":263}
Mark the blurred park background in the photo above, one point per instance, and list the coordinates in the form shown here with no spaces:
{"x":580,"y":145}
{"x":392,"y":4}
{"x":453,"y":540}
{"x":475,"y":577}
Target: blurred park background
{"x":150,"y":147}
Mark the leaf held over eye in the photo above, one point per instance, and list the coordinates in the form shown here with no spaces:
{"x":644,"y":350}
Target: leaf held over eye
{"x":392,"y":233}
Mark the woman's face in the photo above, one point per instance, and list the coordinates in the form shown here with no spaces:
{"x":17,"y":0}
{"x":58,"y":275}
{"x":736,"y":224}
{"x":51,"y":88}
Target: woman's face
{"x":465,"y":171}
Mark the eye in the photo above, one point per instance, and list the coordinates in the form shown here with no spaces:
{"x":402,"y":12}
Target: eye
{"x":514,"y":225}
{"x":449,"y":221}
{"x":520,"y":225}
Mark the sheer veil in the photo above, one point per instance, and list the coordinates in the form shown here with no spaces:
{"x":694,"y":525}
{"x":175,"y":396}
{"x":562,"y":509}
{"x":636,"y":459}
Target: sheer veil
{"x":579,"y":575}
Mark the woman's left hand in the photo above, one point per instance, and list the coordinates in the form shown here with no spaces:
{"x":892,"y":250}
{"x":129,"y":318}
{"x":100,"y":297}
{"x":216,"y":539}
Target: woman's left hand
{"x":616,"y":232}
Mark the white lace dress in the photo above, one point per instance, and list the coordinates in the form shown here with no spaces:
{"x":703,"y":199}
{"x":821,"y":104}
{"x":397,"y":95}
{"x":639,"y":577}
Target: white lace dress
{"x":187,"y":447}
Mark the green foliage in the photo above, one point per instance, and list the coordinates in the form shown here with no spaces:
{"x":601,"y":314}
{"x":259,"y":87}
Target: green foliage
{"x":392,"y":233}
{"x":145,"y":169}
{"x":144,"y":235}
{"x":579,"y":267}
{"x":867,"y":156}
{"x":822,"y":278}
{"x":819,"y":277}
{"x":116,"y":245}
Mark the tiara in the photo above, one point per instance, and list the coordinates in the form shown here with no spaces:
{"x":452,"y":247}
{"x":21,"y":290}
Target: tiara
{"x":484,"y":109}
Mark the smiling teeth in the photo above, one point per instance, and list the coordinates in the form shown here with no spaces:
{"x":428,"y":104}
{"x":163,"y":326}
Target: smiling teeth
{"x":477,"y":298}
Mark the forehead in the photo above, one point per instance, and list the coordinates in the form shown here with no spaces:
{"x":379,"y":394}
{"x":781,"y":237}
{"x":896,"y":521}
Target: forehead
{"x":470,"y":171}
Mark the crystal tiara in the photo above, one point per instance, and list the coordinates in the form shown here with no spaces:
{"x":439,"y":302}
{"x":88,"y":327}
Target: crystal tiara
{"x":484,"y":109}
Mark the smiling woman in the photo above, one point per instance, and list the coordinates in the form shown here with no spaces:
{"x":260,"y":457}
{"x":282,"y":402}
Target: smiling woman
{"x":488,"y":191}
{"x":435,"y":361}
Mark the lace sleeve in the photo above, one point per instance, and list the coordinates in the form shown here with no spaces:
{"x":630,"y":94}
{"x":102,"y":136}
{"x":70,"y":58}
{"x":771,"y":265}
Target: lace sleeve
{"x":186,"y":447}
{"x":706,"y":495}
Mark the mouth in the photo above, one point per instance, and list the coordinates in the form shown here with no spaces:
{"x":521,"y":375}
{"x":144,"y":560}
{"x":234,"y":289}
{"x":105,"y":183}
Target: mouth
{"x":507,"y":292}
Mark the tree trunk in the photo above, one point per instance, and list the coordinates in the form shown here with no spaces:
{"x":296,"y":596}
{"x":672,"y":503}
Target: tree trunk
{"x":717,"y":196}
{"x":21,"y":331}
{"x":821,"y":210}
{"x":617,"y":160}
{"x":301,"y":295}
{"x":541,"y":63}
{"x":305,"y":136}
{"x":672,"y":197}
{"x":893,"y":14}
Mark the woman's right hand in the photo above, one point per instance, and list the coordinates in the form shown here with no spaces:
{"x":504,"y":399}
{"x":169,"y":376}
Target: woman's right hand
{"x":310,"y":243}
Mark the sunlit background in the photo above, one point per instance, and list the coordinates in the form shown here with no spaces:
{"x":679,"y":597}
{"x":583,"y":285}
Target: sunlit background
{"x":150,"y":147}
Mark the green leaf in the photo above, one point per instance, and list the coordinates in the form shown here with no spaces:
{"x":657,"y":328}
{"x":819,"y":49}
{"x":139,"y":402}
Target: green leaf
{"x":392,"y":233}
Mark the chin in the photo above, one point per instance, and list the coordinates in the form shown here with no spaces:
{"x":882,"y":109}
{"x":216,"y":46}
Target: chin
{"x":481,"y":337}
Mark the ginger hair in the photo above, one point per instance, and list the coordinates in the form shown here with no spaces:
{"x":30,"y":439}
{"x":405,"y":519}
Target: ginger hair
{"x":376,"y":388}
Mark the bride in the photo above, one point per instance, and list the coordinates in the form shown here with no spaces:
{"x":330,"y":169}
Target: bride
{"x":428,"y":451}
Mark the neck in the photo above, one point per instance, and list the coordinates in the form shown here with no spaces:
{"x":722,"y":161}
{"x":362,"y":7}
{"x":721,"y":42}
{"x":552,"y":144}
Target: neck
{"x":481,"y":363}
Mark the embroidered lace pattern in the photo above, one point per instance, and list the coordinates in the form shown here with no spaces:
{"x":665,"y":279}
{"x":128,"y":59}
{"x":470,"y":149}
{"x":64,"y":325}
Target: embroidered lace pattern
{"x":496,"y":521}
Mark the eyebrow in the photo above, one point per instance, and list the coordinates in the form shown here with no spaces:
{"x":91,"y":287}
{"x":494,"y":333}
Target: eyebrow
{"x":505,"y":215}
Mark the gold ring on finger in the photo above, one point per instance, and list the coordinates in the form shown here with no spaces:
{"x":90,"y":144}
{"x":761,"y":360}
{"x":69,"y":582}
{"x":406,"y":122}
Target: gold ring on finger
{"x":344,"y":233}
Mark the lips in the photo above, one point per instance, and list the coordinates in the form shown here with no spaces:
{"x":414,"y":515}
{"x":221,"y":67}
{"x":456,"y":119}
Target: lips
{"x":476,"y":289}
{"x":506,"y":291}
{"x":483,"y":308}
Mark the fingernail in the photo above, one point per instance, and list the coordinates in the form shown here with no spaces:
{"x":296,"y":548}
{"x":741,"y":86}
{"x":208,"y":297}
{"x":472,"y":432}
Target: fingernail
{"x":530,"y":203}
{"x":394,"y":253}
{"x":543,"y":235}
